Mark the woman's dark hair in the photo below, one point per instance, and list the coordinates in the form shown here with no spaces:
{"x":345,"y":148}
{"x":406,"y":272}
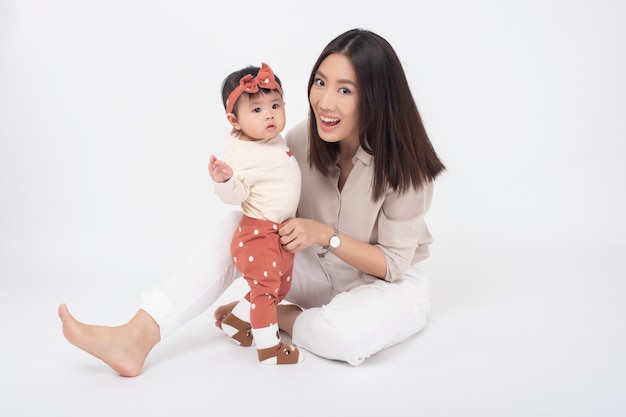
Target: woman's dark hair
{"x":391,"y":127}
{"x":232,"y":81}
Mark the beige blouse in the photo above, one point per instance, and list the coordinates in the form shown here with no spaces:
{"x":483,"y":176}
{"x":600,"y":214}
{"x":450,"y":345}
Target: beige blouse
{"x":395,"y":223}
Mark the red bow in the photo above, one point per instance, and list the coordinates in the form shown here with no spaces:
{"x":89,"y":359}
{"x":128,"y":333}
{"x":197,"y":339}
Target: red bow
{"x":249,"y":84}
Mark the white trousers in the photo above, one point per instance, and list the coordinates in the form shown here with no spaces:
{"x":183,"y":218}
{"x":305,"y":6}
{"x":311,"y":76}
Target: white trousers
{"x":346,"y":317}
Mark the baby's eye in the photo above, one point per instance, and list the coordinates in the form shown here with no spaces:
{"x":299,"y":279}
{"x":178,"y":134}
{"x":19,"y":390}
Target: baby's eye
{"x":257,"y":110}
{"x":275,"y":106}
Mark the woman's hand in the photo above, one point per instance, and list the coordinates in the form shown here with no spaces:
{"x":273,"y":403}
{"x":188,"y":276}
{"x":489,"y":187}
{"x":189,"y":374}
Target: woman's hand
{"x":298,"y":234}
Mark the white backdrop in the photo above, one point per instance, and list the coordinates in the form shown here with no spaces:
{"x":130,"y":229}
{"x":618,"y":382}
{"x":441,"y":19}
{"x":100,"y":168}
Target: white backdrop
{"x":109,"y":111}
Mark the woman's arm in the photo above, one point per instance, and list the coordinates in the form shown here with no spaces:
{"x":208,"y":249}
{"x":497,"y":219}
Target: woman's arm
{"x":298,"y":234}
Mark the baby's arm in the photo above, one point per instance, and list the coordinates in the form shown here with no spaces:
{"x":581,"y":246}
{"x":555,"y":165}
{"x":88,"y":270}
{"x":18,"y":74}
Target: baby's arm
{"x":219,"y":170}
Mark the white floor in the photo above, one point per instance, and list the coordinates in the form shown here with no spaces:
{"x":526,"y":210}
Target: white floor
{"x":506,"y":338}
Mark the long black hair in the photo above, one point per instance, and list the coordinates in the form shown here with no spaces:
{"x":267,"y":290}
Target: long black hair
{"x":391,"y":126}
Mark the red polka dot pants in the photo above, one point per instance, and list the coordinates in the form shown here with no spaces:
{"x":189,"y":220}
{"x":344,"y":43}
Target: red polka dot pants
{"x":265,"y":265}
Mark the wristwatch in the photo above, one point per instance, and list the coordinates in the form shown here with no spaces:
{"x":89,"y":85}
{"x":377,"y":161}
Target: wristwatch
{"x":334,"y":241}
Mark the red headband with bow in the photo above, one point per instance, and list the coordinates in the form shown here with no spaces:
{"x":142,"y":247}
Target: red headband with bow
{"x":249,"y":84}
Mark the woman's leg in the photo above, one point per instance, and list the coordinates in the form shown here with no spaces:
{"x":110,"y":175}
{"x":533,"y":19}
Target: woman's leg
{"x":198,"y":280}
{"x":366,"y":319}
{"x":192,"y":287}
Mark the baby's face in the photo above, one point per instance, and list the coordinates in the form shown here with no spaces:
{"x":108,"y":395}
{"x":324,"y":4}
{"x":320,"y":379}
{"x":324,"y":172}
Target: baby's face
{"x":260,"y":116}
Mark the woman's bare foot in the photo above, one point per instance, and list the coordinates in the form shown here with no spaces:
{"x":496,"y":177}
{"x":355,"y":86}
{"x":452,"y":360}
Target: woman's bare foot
{"x":124,"y":348}
{"x":222,"y":311}
{"x":287,"y":315}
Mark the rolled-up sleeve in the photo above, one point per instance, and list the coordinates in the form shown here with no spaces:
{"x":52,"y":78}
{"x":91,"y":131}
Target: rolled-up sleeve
{"x":402,"y":233}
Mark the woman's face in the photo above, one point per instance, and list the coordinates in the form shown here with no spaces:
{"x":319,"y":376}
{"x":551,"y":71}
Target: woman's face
{"x":334,"y":99}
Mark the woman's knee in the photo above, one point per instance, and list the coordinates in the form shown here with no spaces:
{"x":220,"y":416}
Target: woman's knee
{"x":332,"y":335}
{"x":353,"y":335}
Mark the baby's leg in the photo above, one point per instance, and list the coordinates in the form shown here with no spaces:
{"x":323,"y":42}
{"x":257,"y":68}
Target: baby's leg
{"x":236,"y":324}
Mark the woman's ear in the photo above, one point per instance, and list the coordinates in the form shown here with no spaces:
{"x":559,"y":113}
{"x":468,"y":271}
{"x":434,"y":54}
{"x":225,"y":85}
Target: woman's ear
{"x":232,"y":119}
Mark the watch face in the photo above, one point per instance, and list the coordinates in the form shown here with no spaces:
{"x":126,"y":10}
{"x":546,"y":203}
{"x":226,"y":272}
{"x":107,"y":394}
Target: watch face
{"x":334,"y":242}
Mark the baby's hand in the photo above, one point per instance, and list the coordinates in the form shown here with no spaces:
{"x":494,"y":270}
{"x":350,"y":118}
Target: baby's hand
{"x":220,"y":171}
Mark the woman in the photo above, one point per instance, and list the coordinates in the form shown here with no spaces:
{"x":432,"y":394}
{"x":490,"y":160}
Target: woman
{"x":360,"y":238}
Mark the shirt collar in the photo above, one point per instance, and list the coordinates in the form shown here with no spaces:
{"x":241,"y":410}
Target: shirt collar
{"x":362,"y":156}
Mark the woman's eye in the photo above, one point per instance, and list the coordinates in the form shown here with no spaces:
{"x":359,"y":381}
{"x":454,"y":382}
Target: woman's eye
{"x":344,"y":91}
{"x":318,"y":82}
